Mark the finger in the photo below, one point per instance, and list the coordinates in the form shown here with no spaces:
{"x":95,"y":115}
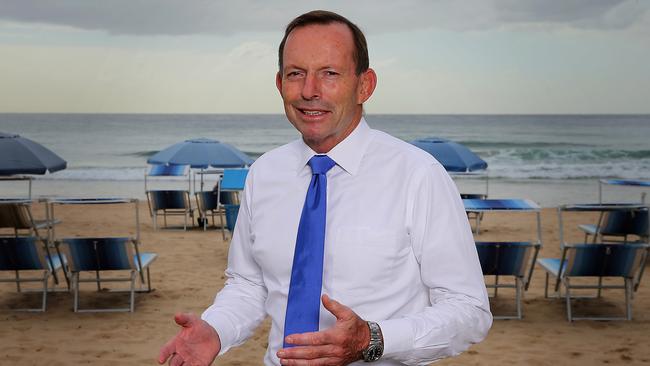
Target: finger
{"x":340,"y":311}
{"x":167,"y":350}
{"x":309,"y":338}
{"x":176,"y":360}
{"x":308,"y":352}
{"x":185,"y":319}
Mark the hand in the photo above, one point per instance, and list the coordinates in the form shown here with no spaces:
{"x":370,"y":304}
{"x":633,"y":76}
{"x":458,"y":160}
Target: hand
{"x":197,"y":343}
{"x":340,"y":345}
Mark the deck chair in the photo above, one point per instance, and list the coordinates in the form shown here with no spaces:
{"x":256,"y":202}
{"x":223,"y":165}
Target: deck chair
{"x":232,"y":211}
{"x":515,"y":259}
{"x":207,"y":203}
{"x":98,"y":255}
{"x":17,"y":215}
{"x":29,"y":254}
{"x":618,"y":226}
{"x":232,"y":183}
{"x":596,"y":260}
{"x":476,"y":216}
{"x":170,"y":203}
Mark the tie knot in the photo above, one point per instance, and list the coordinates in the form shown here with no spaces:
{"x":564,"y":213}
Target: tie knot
{"x":320,"y":164}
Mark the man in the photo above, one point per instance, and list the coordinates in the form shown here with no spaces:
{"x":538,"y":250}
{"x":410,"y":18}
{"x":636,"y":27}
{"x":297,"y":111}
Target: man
{"x":380,"y":221}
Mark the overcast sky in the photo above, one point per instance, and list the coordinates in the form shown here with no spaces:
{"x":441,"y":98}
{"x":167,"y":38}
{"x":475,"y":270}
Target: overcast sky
{"x":444,"y":56}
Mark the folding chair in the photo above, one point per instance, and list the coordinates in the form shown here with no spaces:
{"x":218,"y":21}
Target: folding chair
{"x":508,"y":259}
{"x":107,"y":254}
{"x":29,"y":254}
{"x":596,"y":260}
{"x":169,"y":202}
{"x":618,"y":226}
{"x":231,"y":184}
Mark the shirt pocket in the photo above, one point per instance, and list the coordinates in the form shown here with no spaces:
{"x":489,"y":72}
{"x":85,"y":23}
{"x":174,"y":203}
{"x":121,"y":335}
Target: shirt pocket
{"x":365,"y":260}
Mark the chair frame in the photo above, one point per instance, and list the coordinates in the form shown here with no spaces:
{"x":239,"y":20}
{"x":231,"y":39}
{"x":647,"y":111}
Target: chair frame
{"x":522,"y":277}
{"x":48,"y":266}
{"x":522,"y":281}
{"x":631,"y":280}
{"x":186,"y":212}
{"x":137,"y":267}
{"x":134,"y":240}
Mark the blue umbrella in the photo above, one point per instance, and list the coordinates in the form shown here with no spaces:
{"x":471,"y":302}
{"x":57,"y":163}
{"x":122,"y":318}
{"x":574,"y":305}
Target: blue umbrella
{"x":452,"y":155}
{"x":202,"y":153}
{"x":19,"y":155}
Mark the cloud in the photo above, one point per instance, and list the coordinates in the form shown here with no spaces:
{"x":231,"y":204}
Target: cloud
{"x":172,"y":17}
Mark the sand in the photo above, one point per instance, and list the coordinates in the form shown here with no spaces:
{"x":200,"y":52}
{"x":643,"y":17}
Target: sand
{"x":189,"y":271}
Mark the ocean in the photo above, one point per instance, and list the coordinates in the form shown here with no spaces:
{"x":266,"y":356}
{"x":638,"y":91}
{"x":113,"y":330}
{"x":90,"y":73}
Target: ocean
{"x":552,"y":159}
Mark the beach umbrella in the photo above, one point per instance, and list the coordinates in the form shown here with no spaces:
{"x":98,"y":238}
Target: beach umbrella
{"x":202,"y":153}
{"x":452,"y":155}
{"x":19,"y":155}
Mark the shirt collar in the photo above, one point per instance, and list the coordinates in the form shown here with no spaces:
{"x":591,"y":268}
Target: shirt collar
{"x":347,"y":154}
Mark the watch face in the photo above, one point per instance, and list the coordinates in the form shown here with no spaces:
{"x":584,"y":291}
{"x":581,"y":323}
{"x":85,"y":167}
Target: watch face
{"x":374,"y":353}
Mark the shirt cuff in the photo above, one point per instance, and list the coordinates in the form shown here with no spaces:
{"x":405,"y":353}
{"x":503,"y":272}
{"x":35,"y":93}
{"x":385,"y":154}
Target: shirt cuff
{"x":398,"y":335}
{"x":224,"y":329}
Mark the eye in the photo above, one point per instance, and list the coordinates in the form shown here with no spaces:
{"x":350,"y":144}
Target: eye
{"x":293,"y":74}
{"x":331,"y":73}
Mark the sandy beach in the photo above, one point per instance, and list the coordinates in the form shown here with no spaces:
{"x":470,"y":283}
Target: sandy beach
{"x":189,"y":271}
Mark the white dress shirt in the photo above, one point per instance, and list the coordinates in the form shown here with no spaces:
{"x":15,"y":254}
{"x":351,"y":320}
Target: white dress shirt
{"x":398,"y":249}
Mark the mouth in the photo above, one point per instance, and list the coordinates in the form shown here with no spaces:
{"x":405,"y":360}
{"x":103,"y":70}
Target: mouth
{"x":312,"y":113}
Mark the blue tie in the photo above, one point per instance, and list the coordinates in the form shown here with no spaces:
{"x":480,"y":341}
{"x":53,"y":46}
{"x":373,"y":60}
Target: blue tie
{"x":303,"y":306}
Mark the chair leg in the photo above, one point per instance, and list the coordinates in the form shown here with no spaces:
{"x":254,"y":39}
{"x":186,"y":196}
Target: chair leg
{"x":628,"y":298}
{"x":568,"y":298}
{"x":518,"y":289}
{"x":132,"y":302}
{"x":75,"y":286}
{"x":496,"y":284}
{"x":18,"y":281}
{"x":546,"y":286}
{"x":46,"y":277}
{"x":223,"y":229}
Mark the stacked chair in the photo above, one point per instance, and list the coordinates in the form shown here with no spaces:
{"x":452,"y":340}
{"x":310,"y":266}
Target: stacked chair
{"x":597,"y":265}
{"x":28,"y":250}
{"x":101,"y":260}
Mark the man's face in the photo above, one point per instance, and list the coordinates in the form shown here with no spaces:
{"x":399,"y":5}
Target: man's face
{"x":322,"y":94}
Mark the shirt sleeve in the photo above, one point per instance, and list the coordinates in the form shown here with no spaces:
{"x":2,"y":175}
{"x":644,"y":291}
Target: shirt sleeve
{"x":239,"y":307}
{"x":459,"y":314}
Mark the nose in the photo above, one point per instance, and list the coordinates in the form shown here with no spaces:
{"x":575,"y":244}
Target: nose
{"x":311,"y":87}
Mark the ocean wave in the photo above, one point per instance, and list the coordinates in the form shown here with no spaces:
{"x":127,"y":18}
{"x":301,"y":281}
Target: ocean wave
{"x":142,"y":154}
{"x":565,"y":155}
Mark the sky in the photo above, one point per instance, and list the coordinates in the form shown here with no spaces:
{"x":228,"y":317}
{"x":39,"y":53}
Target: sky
{"x":220,"y":56}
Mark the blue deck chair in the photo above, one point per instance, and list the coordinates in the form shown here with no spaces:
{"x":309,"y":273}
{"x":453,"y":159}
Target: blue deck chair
{"x":232,"y":183}
{"x":29,"y":254}
{"x":207,"y":203}
{"x":618,"y":226}
{"x":476,"y":216}
{"x":515,"y":259}
{"x":107,"y":254}
{"x":596,"y":261}
{"x":232,"y":211}
{"x":169,"y":202}
{"x":233,"y":179}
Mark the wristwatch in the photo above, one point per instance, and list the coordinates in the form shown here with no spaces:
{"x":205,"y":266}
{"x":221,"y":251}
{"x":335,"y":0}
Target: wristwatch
{"x":376,"y":346}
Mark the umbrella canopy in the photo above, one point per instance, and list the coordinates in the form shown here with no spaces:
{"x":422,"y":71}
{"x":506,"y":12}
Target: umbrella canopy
{"x":19,"y":155}
{"x":452,"y":155}
{"x":202,"y":153}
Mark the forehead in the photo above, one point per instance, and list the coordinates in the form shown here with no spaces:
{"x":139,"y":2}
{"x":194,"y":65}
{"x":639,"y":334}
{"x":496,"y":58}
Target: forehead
{"x":331,"y":43}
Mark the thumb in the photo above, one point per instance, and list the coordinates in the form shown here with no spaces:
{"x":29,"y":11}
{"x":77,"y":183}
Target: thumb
{"x":340,"y":311}
{"x":185,"y":320}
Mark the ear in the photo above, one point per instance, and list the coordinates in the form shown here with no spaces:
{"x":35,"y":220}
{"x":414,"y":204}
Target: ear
{"x":278,"y":82}
{"x":367,"y":84}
